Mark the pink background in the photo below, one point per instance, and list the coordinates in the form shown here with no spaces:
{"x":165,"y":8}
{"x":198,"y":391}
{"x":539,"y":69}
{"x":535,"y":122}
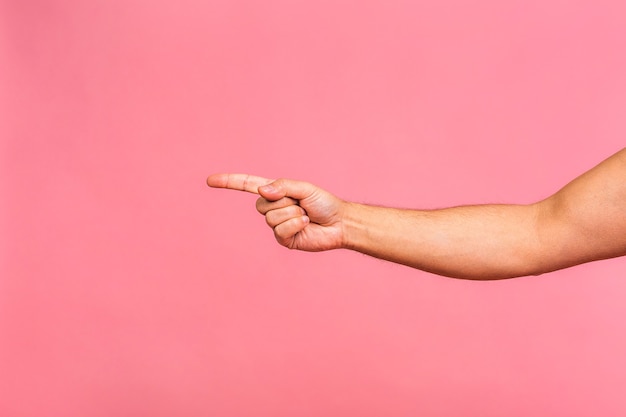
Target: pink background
{"x":128,"y":288}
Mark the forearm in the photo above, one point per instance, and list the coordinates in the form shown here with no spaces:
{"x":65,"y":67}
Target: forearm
{"x":472,"y":242}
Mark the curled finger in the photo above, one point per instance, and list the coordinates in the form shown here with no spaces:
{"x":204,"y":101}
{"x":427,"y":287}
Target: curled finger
{"x":285,"y":231}
{"x":275,"y":217}
{"x":263,"y":205}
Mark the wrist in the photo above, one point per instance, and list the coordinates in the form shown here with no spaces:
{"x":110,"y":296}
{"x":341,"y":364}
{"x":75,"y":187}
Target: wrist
{"x":351,"y":224}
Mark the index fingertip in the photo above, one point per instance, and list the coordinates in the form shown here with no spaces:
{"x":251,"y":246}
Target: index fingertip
{"x":216,"y":180}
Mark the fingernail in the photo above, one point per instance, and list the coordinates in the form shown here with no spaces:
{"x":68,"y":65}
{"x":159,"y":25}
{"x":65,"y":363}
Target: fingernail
{"x":268,"y":188}
{"x":305,"y":219}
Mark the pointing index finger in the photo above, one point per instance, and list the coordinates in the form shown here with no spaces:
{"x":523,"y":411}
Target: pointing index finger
{"x":239,"y":182}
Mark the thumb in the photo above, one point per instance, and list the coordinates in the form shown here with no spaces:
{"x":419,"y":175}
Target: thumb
{"x":278,"y":189}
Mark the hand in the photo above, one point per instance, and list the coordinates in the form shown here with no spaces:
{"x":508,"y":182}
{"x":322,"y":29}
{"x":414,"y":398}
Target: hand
{"x":303,"y":216}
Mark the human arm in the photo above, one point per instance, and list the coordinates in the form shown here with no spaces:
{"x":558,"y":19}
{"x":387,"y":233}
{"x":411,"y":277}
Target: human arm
{"x":584,"y":221}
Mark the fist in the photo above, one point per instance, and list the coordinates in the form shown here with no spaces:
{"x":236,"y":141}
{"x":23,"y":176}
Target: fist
{"x":302,"y":215}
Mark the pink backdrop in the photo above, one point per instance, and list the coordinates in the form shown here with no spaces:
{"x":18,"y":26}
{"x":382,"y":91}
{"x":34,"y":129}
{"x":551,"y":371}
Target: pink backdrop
{"x":128,"y":288}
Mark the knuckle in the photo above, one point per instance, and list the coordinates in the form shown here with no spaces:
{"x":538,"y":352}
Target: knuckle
{"x":260,"y":205}
{"x":279,"y":232}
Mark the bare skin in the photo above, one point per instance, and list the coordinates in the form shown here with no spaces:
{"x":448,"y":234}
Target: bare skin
{"x":583,"y":222}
